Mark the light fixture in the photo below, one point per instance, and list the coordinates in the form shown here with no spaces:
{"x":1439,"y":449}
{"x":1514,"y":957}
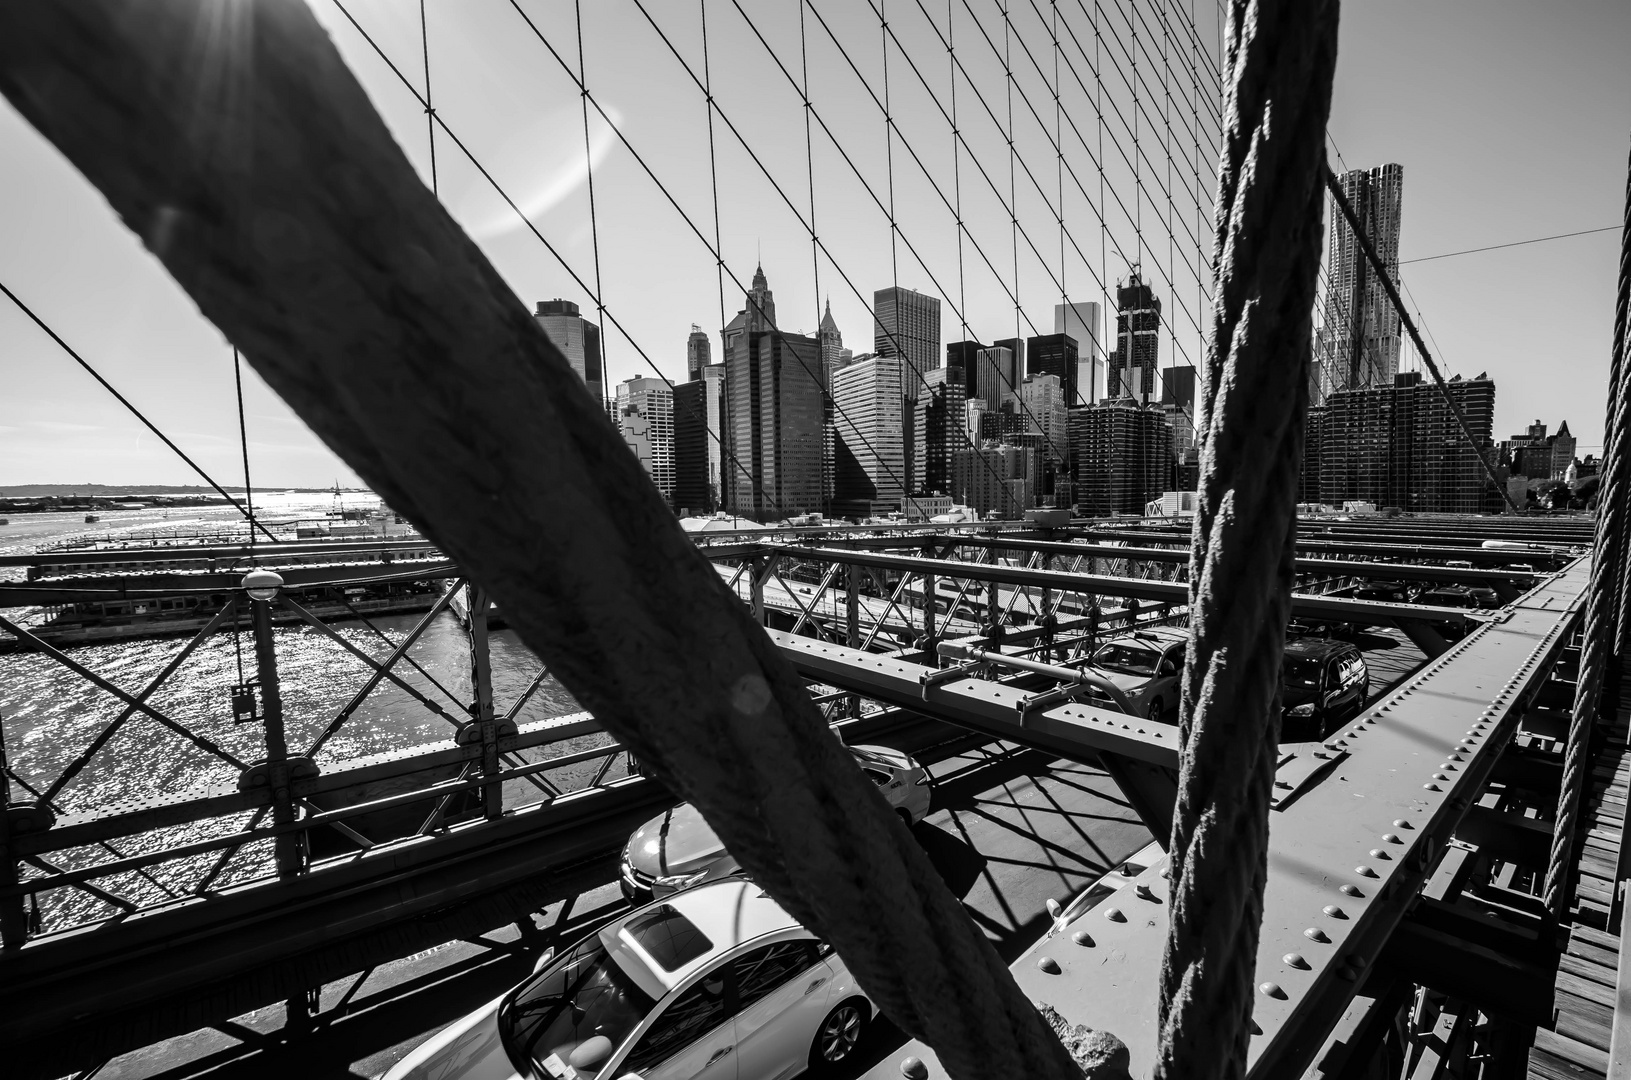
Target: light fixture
{"x":262,"y":584}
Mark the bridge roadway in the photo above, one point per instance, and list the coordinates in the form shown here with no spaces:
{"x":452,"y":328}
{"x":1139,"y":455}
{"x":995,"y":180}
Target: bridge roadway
{"x":1009,"y":829}
{"x":1349,"y":852}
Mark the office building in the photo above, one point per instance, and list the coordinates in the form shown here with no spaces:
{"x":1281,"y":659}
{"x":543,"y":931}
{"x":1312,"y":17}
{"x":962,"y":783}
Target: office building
{"x":869,"y":464}
{"x":997,"y":478}
{"x":1133,"y":365}
{"x":906,"y":323}
{"x":1043,"y":412}
{"x":697,"y":353}
{"x":645,"y":411}
{"x":699,"y":431}
{"x":774,"y":392}
{"x":1400,"y":446}
{"x":1357,"y":344}
{"x":1054,"y":354}
{"x":996,"y":375}
{"x":577,"y":338}
{"x":1015,"y":345}
{"x":1083,"y":322}
{"x":1178,"y":387}
{"x":1539,"y":456}
{"x":938,"y":432}
{"x":1121,"y":456}
{"x":963,"y":358}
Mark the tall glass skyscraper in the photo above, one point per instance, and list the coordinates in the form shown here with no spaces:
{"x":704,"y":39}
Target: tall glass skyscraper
{"x":1357,"y":345}
{"x":906,"y":324}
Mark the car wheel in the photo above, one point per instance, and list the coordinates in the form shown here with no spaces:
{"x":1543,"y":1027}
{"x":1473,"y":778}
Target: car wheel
{"x":839,"y":1034}
{"x":1157,"y":710}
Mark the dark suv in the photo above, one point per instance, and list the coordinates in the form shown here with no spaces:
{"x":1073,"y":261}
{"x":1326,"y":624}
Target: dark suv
{"x":1323,"y":685}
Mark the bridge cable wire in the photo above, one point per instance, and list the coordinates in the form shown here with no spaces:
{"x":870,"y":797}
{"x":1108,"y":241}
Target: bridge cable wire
{"x":1410,"y":326}
{"x":137,"y":413}
{"x":589,"y":99}
{"x":430,"y":111}
{"x":1601,"y":641}
{"x":594,"y":222}
{"x":243,"y":445}
{"x":1002,"y":131}
{"x":1253,"y":400}
{"x":921,"y":958}
{"x":559,"y":258}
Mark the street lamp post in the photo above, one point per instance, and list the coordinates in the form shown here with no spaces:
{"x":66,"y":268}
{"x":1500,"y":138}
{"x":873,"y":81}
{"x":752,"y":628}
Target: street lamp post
{"x":262,"y":587}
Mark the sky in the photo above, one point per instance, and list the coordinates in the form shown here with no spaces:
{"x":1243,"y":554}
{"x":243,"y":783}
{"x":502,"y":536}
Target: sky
{"x":1511,"y":121}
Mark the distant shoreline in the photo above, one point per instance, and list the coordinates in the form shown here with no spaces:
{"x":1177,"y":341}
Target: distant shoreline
{"x":138,"y":491}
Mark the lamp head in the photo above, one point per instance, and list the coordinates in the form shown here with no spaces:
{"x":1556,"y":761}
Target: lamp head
{"x":262,"y":584}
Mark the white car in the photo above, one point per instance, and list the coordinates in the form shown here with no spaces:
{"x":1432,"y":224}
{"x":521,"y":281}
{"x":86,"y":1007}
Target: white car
{"x":714,"y":983}
{"x":678,"y":849}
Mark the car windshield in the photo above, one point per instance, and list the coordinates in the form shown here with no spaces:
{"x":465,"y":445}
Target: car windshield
{"x":1301,"y":673}
{"x":1127,"y":659}
{"x":582,"y":995}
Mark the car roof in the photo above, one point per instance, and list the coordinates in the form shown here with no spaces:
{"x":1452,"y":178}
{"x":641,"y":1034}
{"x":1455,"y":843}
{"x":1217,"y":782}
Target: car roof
{"x":1316,"y":647}
{"x":1153,"y":635}
{"x":727,"y":912}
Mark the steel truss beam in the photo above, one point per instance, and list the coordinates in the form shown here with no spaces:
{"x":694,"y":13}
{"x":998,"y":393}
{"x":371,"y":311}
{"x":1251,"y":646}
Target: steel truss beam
{"x":1348,"y":855}
{"x":1303,"y":605}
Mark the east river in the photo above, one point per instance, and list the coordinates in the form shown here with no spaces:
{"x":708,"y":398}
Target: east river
{"x":50,"y":715}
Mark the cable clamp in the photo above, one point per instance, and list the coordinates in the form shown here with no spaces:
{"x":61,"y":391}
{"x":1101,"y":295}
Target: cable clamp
{"x":928,"y":680}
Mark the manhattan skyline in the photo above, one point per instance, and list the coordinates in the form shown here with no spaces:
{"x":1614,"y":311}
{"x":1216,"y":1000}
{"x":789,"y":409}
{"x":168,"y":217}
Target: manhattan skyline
{"x":1489,"y":160}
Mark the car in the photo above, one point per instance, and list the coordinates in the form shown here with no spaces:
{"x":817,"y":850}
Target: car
{"x":1145,"y":666}
{"x":678,"y":848}
{"x":1323,"y":685}
{"x":1392,"y":592}
{"x":713,"y":983}
{"x":1457,"y":596}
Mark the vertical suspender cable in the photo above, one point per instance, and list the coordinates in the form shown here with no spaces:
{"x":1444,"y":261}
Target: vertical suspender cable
{"x":1104,"y":229}
{"x":243,"y":444}
{"x":1598,"y":647}
{"x":1282,"y":57}
{"x":1013,"y":196}
{"x":594,"y":226}
{"x":956,"y":175}
{"x":430,"y":112}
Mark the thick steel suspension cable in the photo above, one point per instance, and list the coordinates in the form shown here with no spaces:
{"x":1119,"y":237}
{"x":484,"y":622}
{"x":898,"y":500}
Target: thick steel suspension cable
{"x":1600,"y":635}
{"x":1281,"y":59}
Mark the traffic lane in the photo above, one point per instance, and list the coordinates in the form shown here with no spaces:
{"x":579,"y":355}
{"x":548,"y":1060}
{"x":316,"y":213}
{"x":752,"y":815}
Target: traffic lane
{"x":1008,"y":828}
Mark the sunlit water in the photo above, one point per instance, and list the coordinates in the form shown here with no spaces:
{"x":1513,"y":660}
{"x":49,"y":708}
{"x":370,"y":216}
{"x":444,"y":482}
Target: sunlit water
{"x":50,"y":716}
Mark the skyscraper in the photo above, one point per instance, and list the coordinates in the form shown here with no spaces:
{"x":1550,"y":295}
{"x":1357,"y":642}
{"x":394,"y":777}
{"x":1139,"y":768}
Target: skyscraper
{"x":832,"y":341}
{"x":963,"y":357}
{"x":938,"y":418}
{"x":1358,"y":340}
{"x":906,"y":323}
{"x":1044,"y":414}
{"x":696,"y":353}
{"x":869,"y":470}
{"x":577,"y":338}
{"x":1178,"y":387}
{"x":774,"y":391}
{"x":645,"y":410}
{"x":1054,"y":354}
{"x":1132,"y":369}
{"x":997,"y":376}
{"x":699,"y":429}
{"x":1399,"y":445}
{"x":1082,"y":322}
{"x":1121,"y":454}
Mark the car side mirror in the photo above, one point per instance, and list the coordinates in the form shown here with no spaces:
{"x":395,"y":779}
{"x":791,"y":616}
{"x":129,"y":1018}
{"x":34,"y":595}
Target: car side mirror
{"x":543,"y":960}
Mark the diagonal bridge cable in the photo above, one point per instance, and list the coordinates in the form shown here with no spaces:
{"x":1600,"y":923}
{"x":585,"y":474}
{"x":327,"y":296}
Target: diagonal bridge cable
{"x":137,"y":413}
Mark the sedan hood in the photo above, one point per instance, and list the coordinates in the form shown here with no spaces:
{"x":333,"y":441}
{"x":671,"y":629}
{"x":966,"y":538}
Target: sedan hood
{"x":676,"y":842}
{"x":470,"y":1049}
{"x":1127,"y":684}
